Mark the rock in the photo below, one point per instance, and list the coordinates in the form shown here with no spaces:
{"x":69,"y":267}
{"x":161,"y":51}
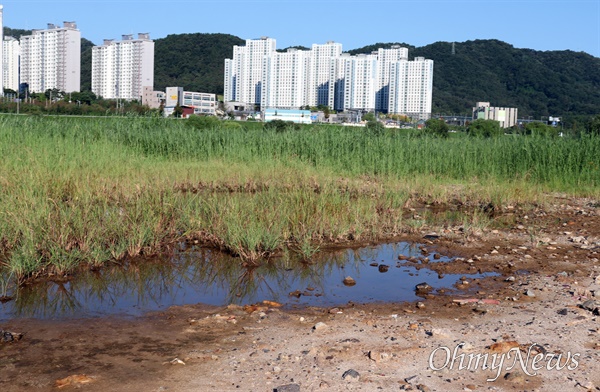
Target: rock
{"x":423,"y":288}
{"x":590,"y":305}
{"x":515,"y":377}
{"x":510,"y":279}
{"x":530,"y":293}
{"x":471,"y":387}
{"x":503,"y":347}
{"x":420,"y":305}
{"x":563,"y":312}
{"x":378,"y":356}
{"x":319,"y":326}
{"x":423,"y":388}
{"x":74,"y":380}
{"x":349,"y":281}
{"x":383,"y":268}
{"x":374,"y":264}
{"x":351,"y":375}
{"x":287,"y":388}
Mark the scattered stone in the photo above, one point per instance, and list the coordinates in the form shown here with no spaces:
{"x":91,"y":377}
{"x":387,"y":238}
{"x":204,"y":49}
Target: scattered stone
{"x":296,"y":294}
{"x":6,"y":336}
{"x":510,"y":279}
{"x":423,"y":288}
{"x":320,"y":326}
{"x":420,"y":305}
{"x":378,"y":356}
{"x":563,"y":312}
{"x":383,"y":268}
{"x":74,"y":380}
{"x":349,"y":281}
{"x":515,"y":377}
{"x":374,"y":264}
{"x":287,"y":388}
{"x":471,"y":387}
{"x":503,"y":347}
{"x":590,"y":305}
{"x":351,"y":375}
{"x":335,"y":311}
{"x":175,"y":361}
{"x":530,"y":293}
{"x":423,"y":388}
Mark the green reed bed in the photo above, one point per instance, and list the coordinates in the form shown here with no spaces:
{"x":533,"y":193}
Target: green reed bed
{"x":84,"y":191}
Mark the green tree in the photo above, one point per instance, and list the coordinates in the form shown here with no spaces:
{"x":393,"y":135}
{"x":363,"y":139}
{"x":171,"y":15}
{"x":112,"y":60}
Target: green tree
{"x":540,"y":129}
{"x":593,"y":125}
{"x":369,"y":117}
{"x":485,"y":128}
{"x":177,"y":112}
{"x":436,"y":127}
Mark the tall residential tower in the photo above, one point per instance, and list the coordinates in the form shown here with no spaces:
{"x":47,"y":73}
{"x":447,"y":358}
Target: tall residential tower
{"x":121,"y":69}
{"x":51,"y":58}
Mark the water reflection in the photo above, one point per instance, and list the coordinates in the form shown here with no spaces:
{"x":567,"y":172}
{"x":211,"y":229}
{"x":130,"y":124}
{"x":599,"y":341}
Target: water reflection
{"x":204,"y":276}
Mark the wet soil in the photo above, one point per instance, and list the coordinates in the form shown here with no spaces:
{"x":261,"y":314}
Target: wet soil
{"x":547,"y":259}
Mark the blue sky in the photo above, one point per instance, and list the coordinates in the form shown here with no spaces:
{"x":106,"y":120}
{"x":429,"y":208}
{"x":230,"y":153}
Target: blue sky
{"x":535,"y":24}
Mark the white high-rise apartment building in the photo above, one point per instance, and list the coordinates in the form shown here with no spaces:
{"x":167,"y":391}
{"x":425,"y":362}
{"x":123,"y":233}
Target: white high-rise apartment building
{"x":385,"y":57}
{"x":323,"y":73}
{"x":51,"y":58}
{"x":121,"y":69}
{"x":381,"y":81}
{"x":360,"y":81}
{"x":244,"y":72}
{"x":284,"y":79}
{"x":2,"y":50}
{"x":411,"y":86}
{"x":11,"y":53}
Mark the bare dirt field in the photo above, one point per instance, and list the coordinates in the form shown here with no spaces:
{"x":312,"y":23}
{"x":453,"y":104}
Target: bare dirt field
{"x":535,"y":327}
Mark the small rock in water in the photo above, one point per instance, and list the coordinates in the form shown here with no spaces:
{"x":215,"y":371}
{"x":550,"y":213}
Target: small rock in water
{"x":287,"y":388}
{"x":423,"y":288}
{"x":349,"y":281}
{"x":351,"y":375}
{"x":383,"y":268}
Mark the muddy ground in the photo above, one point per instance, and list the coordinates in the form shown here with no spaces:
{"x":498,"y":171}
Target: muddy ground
{"x":544,"y":302}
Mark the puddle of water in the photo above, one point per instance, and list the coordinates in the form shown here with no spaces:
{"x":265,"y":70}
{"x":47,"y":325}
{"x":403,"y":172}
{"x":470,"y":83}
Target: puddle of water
{"x":212,"y":278}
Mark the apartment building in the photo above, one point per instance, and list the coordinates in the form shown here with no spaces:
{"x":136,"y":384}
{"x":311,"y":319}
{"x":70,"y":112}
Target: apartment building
{"x":51,"y":58}
{"x":11,"y":54}
{"x":121,"y":69}
{"x":244,"y":72}
{"x":507,"y":117}
{"x":411,"y":87}
{"x":2,"y":50}
{"x":323,"y":73}
{"x":284,"y":83}
{"x":385,"y":58}
{"x":360,"y":79}
{"x":384,"y":80}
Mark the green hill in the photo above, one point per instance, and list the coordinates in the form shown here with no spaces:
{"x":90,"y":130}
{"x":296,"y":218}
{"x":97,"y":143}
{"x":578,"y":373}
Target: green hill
{"x":557,"y":83}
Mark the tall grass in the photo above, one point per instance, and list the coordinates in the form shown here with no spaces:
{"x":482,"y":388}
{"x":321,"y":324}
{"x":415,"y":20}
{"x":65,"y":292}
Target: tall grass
{"x":82,"y":191}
